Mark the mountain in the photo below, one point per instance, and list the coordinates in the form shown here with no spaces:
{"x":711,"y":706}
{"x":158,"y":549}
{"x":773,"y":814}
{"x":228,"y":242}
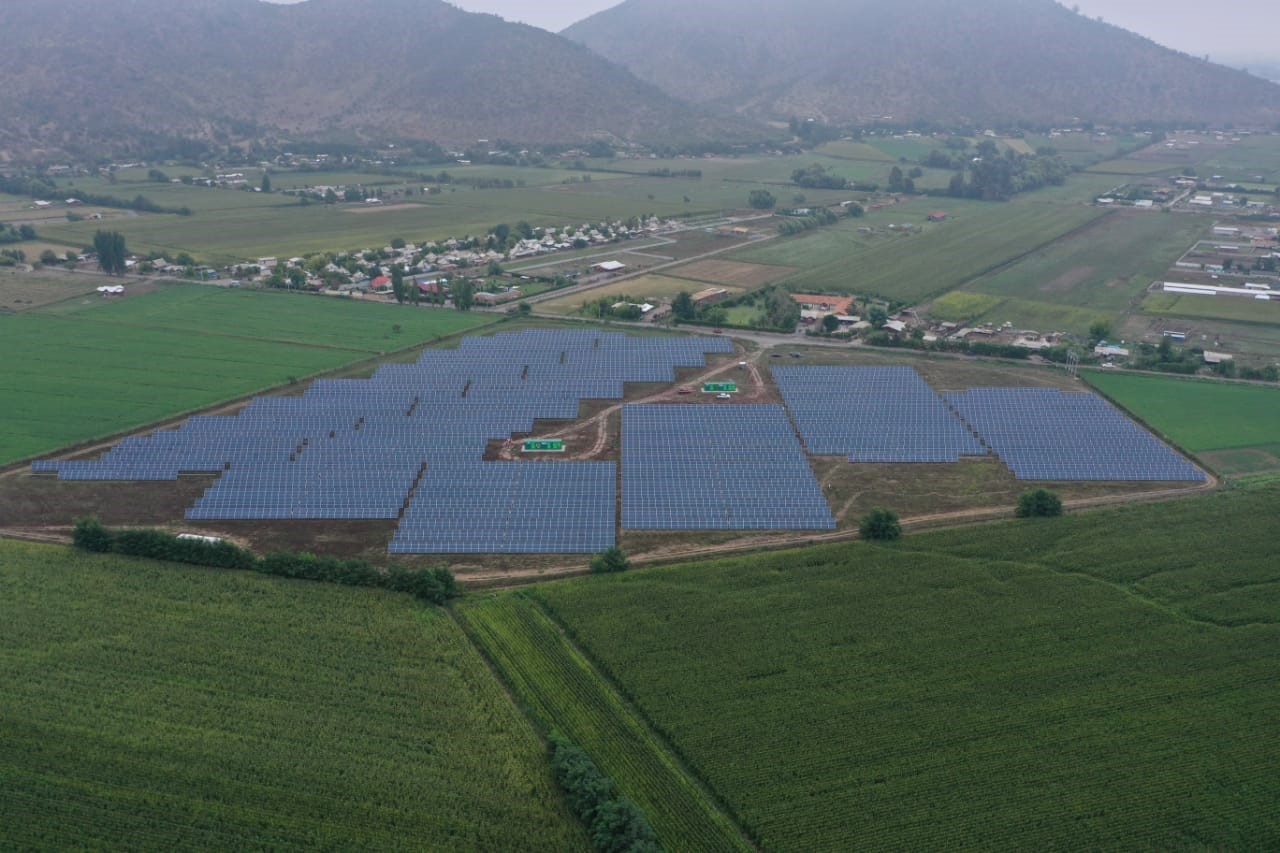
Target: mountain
{"x":88,"y":74}
{"x":853,"y":61}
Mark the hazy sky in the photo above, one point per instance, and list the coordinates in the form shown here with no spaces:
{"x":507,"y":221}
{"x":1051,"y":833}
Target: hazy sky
{"x":1244,"y":29}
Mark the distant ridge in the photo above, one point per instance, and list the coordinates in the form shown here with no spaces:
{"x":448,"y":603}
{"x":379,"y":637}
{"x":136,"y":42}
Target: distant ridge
{"x":94,"y":74}
{"x":856,"y":61}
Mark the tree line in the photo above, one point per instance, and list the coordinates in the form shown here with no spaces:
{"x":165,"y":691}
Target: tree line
{"x":436,"y":585}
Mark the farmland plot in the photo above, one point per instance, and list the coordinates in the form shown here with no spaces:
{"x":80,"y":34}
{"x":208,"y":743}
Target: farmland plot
{"x":1097,"y":681}
{"x":159,"y":707}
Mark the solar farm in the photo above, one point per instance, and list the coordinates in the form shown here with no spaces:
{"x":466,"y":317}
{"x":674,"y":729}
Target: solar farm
{"x":408,"y":445}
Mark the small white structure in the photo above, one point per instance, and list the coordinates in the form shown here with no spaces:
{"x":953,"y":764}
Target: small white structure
{"x":609,"y":266}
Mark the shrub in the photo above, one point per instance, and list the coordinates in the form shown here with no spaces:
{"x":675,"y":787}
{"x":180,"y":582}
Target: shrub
{"x":615,"y":823}
{"x":90,"y":535}
{"x":610,"y":560}
{"x":1039,"y":503}
{"x":881,"y":525}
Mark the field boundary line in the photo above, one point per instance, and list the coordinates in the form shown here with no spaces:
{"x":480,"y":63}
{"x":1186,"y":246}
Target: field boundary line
{"x":629,"y":702}
{"x":541,"y":707}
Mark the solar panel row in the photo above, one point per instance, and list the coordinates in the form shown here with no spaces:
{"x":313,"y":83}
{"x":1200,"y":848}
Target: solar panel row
{"x":873,"y":414}
{"x":716,"y":468}
{"x":1045,"y":434}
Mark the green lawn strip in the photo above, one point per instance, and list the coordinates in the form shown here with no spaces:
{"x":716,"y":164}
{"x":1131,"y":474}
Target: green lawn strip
{"x":1197,"y":414}
{"x":563,"y":692}
{"x":1100,"y":680}
{"x":155,"y":706}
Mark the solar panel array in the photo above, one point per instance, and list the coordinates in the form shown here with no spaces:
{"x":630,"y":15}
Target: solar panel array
{"x":410,"y":442}
{"x":511,"y":508}
{"x":716,"y":468}
{"x":873,"y":414}
{"x":1046,"y":434}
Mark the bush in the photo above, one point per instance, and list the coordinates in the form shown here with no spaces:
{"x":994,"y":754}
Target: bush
{"x":90,"y":535}
{"x":880,"y":525}
{"x":1039,"y":503}
{"x":610,"y":560}
{"x":615,"y":823}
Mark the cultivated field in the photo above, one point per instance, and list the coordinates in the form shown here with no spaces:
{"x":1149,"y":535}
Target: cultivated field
{"x":972,"y":688}
{"x":109,"y":367}
{"x":1095,"y":274}
{"x":732,"y":273}
{"x":945,"y":256}
{"x":155,"y":706}
{"x":1233,"y":426}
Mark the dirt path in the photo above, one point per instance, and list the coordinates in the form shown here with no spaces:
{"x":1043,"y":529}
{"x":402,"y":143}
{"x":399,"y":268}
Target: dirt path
{"x":599,"y":423}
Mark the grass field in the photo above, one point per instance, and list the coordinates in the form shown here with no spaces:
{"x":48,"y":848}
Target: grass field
{"x":25,"y":291}
{"x":1204,"y":416}
{"x":1235,"y":309}
{"x":153,"y":706}
{"x":731,"y":273}
{"x":563,"y":693}
{"x":1103,"y":680}
{"x":110,"y":367}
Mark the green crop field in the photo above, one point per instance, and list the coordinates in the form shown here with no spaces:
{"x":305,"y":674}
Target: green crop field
{"x":944,"y":256}
{"x":157,"y":707}
{"x":563,"y":693}
{"x":110,"y":367}
{"x":1104,"y":267}
{"x":1200,"y":415}
{"x":1102,"y":680}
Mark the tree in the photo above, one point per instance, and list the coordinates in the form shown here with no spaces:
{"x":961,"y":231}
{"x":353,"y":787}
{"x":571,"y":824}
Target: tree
{"x":897,"y":181}
{"x":112,"y":251}
{"x":49,"y":258}
{"x":89,"y":535}
{"x":495,"y":268}
{"x":463,"y":292}
{"x":762,"y":200}
{"x":610,"y":560}
{"x":880,"y":525}
{"x":682,"y":306}
{"x":1165,"y":350}
{"x":1099,"y":331}
{"x":26,"y":232}
{"x":398,"y":243}
{"x":397,"y":285}
{"x":1039,"y":503}
{"x":297,"y":278}
{"x":266,"y":182}
{"x":830,"y":323}
{"x":878,"y":317}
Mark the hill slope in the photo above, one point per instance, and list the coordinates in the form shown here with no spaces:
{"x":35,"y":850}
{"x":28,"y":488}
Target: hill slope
{"x":850,"y":61}
{"x":79,"y":73}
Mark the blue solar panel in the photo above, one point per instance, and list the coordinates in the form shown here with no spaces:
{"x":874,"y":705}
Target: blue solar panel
{"x":873,"y":414}
{"x":716,"y":468}
{"x":353,"y":449}
{"x":1045,"y":434}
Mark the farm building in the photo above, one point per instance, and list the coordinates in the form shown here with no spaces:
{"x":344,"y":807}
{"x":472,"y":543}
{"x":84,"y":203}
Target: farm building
{"x":710,"y":296}
{"x":1107,"y":350}
{"x":937,"y":216}
{"x":827,"y":304}
{"x":609,"y":266}
{"x":1217,"y":357}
